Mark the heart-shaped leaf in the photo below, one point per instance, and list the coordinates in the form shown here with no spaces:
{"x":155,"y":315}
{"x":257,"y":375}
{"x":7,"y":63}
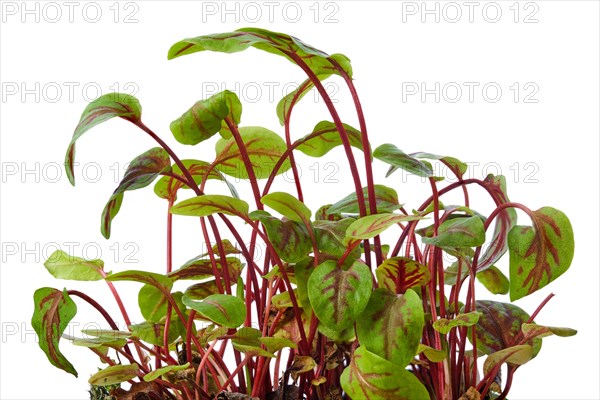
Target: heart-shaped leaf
{"x":64,"y":266}
{"x":338,"y":297}
{"x":105,"y":107}
{"x":540,"y":253}
{"x":499,"y":325}
{"x":225,"y":310}
{"x":371,"y":377}
{"x":209,"y":204}
{"x":264,"y":148}
{"x":400,"y":273}
{"x":53,"y":309}
{"x":392,"y":325}
{"x":141,"y":172}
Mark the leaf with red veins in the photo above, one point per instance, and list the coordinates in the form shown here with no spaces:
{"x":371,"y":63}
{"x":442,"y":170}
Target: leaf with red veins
{"x":540,"y":253}
{"x":400,"y":273}
{"x":371,"y":377}
{"x":504,"y":222}
{"x":52,"y":313}
{"x":105,"y":107}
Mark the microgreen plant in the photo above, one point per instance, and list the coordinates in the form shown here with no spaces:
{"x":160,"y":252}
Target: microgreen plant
{"x":329,"y":311}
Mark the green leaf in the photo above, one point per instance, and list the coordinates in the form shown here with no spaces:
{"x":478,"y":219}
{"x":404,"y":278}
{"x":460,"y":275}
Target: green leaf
{"x":222,"y":309}
{"x":325,"y":137}
{"x":338,"y":297}
{"x":400,"y":273}
{"x":157,"y":373}
{"x":99,"y":343}
{"x":330,"y":236}
{"x":543,"y":331}
{"x":282,"y":300}
{"x":202,"y":290}
{"x":114,"y":374}
{"x":391,"y":326}
{"x":499,"y":325}
{"x":457,"y":167}
{"x":154,"y":304}
{"x":153,"y":332}
{"x":288,"y":206}
{"x":372,"y":225}
{"x":264,"y":148}
{"x":247,"y":340}
{"x":53,"y":309}
{"x":459,"y":232}
{"x":290,"y":239}
{"x":273,"y":344}
{"x":505,"y":221}
{"x":494,"y":280}
{"x":204,"y":119}
{"x":371,"y":377}
{"x":444,"y":326}
{"x":386,"y":200}
{"x":141,"y":172}
{"x":64,"y":266}
{"x":294,"y":97}
{"x":167,"y":186}
{"x":201,"y":268}
{"x":540,"y":253}
{"x":515,"y":355}
{"x":106,"y":334}
{"x":433,"y":355}
{"x":302,"y":272}
{"x":209,"y":204}
{"x":111,"y":209}
{"x":102,"y":109}
{"x":262,"y":39}
{"x":162,"y":282}
{"x":398,"y":159}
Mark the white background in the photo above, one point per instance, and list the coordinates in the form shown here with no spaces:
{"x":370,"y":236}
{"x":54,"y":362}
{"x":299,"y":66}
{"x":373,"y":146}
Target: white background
{"x":548,"y":150}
